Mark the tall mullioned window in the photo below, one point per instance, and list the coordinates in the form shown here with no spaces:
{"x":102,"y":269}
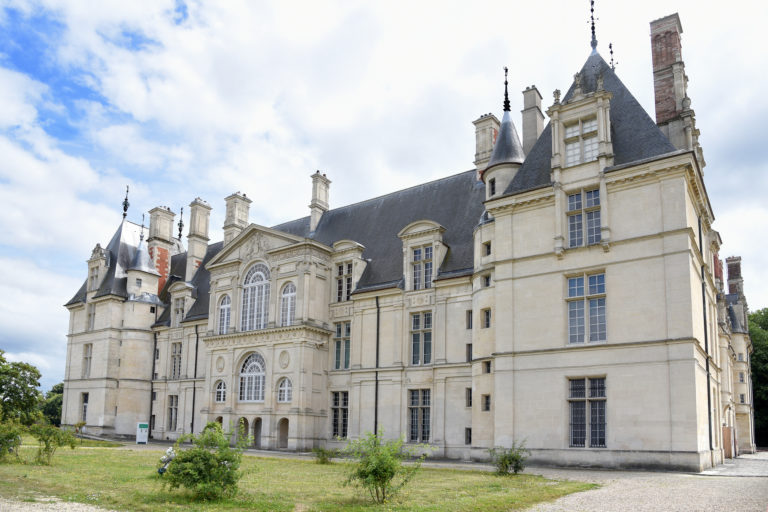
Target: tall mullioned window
{"x":288,"y":305}
{"x":581,"y":142}
{"x":91,"y":314}
{"x":93,"y":278}
{"x":341,"y":346}
{"x":343,"y":281}
{"x":221,"y":391}
{"x":252,"y":379}
{"x":225,"y":309}
{"x":339,"y":413}
{"x":175,"y":360}
{"x":586,"y":308}
{"x":421,"y":338}
{"x":586,"y":402}
{"x":87,"y":356}
{"x":84,"y":407}
{"x":421,"y":263}
{"x":419,"y":405}
{"x":584,"y":218}
{"x":255,"y":298}
{"x":284,"y":391}
{"x":178,"y":311}
{"x":173,"y":411}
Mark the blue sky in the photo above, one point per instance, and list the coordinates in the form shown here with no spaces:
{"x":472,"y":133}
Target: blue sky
{"x":185,"y":99}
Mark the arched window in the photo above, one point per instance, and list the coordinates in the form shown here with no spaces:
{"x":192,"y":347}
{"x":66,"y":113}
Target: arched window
{"x":224,"y":310}
{"x":252,"y":379}
{"x":288,"y":305}
{"x":255,"y":298}
{"x":221,"y":391}
{"x":284,"y":391}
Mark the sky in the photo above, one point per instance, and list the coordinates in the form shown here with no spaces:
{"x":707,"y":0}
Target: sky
{"x":183,"y":99}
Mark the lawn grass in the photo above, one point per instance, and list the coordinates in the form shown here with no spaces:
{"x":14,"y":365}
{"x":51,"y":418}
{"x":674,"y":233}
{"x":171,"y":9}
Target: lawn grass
{"x":28,"y":440}
{"x":127,"y":480}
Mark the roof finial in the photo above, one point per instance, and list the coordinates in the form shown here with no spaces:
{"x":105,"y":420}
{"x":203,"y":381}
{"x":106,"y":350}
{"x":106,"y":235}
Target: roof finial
{"x":592,"y":18}
{"x":506,"y":93}
{"x":181,"y":221}
{"x":141,"y":233}
{"x":613,"y":64}
{"x":126,"y":204}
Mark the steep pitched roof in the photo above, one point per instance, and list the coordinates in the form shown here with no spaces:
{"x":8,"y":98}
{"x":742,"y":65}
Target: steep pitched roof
{"x":201,"y":284}
{"x":507,"y":149}
{"x":634,"y":134}
{"x":455,"y":202}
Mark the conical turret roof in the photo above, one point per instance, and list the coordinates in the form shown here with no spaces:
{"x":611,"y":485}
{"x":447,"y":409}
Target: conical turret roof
{"x":508,"y":149}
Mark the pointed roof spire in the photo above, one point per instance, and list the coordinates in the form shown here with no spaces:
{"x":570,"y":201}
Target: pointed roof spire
{"x":592,"y":19}
{"x":181,"y":221}
{"x":141,"y":233}
{"x":506,"y":92}
{"x":126,"y":204}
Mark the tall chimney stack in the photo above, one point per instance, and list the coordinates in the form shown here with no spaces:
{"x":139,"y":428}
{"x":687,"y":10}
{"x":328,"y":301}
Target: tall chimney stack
{"x":197,"y":239}
{"x":486,"y":129}
{"x":533,"y":119}
{"x":735,"y":281}
{"x":160,"y":241}
{"x":320,"y":195}
{"x":236,"y":216}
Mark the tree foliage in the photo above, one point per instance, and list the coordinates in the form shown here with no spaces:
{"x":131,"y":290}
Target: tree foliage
{"x":18,"y":391}
{"x":210,"y":468}
{"x":51,"y":404}
{"x":758,"y":331}
{"x":49,"y":438}
{"x":10,"y":439}
{"x":379,"y":468}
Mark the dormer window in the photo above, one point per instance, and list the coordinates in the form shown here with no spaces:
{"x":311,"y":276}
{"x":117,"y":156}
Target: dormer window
{"x":581,"y":142}
{"x":178,"y":311}
{"x":93,"y":278}
{"x":343,"y":281}
{"x":422,"y":267}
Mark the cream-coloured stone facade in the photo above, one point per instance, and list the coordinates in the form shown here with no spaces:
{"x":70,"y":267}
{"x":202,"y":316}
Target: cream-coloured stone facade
{"x":567,"y":293}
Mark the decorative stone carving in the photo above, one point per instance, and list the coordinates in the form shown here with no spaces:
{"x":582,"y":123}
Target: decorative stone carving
{"x":220,"y":364}
{"x":285,"y":359}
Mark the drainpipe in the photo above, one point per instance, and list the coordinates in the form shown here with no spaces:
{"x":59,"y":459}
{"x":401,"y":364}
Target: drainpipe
{"x":194,"y":382}
{"x":376,"y":373}
{"x":706,"y":338}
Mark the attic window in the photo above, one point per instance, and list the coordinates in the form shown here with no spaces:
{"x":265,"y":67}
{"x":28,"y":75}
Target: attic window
{"x":581,"y":142}
{"x":492,"y":187}
{"x":138,"y":283}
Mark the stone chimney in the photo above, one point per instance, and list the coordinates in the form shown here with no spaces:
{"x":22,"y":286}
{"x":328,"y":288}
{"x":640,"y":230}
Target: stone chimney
{"x":674,"y":115}
{"x":735,"y":281}
{"x":533,"y":118}
{"x":160,"y":242}
{"x":197,"y":239}
{"x":486,"y":130}
{"x":320,"y":195}
{"x":236,"y":216}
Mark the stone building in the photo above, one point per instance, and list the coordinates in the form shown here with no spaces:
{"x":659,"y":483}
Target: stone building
{"x":566,"y":292}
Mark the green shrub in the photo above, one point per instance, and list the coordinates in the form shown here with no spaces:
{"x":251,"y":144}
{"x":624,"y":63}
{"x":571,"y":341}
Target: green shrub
{"x":379,"y":468}
{"x":49,"y":438}
{"x":10,"y":439}
{"x":210,"y":468}
{"x":324,"y":455}
{"x":509,"y":459}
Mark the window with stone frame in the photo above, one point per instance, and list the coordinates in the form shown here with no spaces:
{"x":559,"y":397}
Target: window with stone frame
{"x":90,"y":317}
{"x":344,"y":281}
{"x":584,"y":225}
{"x":252,"y":378}
{"x":341,"y":346}
{"x":339,"y":414}
{"x":178,"y":311}
{"x":741,"y":377}
{"x":87,"y":356}
{"x":486,"y":403}
{"x":586,"y":404}
{"x":255,"y":307}
{"x":421,"y":338}
{"x":176,"y":360}
{"x":419,"y":407}
{"x":284,"y":391}
{"x":225,"y":310}
{"x":586,"y":308}
{"x":468,"y":397}
{"x":421,"y":266}
{"x":84,"y":407}
{"x":173,"y":411}
{"x":221,"y":391}
{"x":93,"y":278}
{"x":581,"y":141}
{"x":288,"y":305}
{"x":486,"y":318}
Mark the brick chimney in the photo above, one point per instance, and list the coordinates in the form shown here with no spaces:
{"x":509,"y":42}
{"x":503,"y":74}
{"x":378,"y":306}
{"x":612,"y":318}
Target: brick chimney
{"x":735,"y":281}
{"x":674,"y":115}
{"x":486,"y":130}
{"x":533,"y":119}
{"x":160,"y":241}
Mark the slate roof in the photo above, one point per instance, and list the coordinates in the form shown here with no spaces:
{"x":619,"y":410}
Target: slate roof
{"x":634,"y":134}
{"x":455,"y":202}
{"x":507,"y":149}
{"x":121,"y":252}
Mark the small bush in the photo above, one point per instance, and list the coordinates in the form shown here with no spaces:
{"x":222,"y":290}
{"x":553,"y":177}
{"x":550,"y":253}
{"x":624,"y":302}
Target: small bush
{"x":49,"y":438}
{"x":210,"y":468}
{"x":324,"y":455}
{"x":510,"y":459}
{"x":379,"y":468}
{"x":10,"y":439}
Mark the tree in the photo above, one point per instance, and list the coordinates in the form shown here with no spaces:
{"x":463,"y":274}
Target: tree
{"x":18,"y":391}
{"x":51,"y":405}
{"x":49,"y":438}
{"x":758,"y":331}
